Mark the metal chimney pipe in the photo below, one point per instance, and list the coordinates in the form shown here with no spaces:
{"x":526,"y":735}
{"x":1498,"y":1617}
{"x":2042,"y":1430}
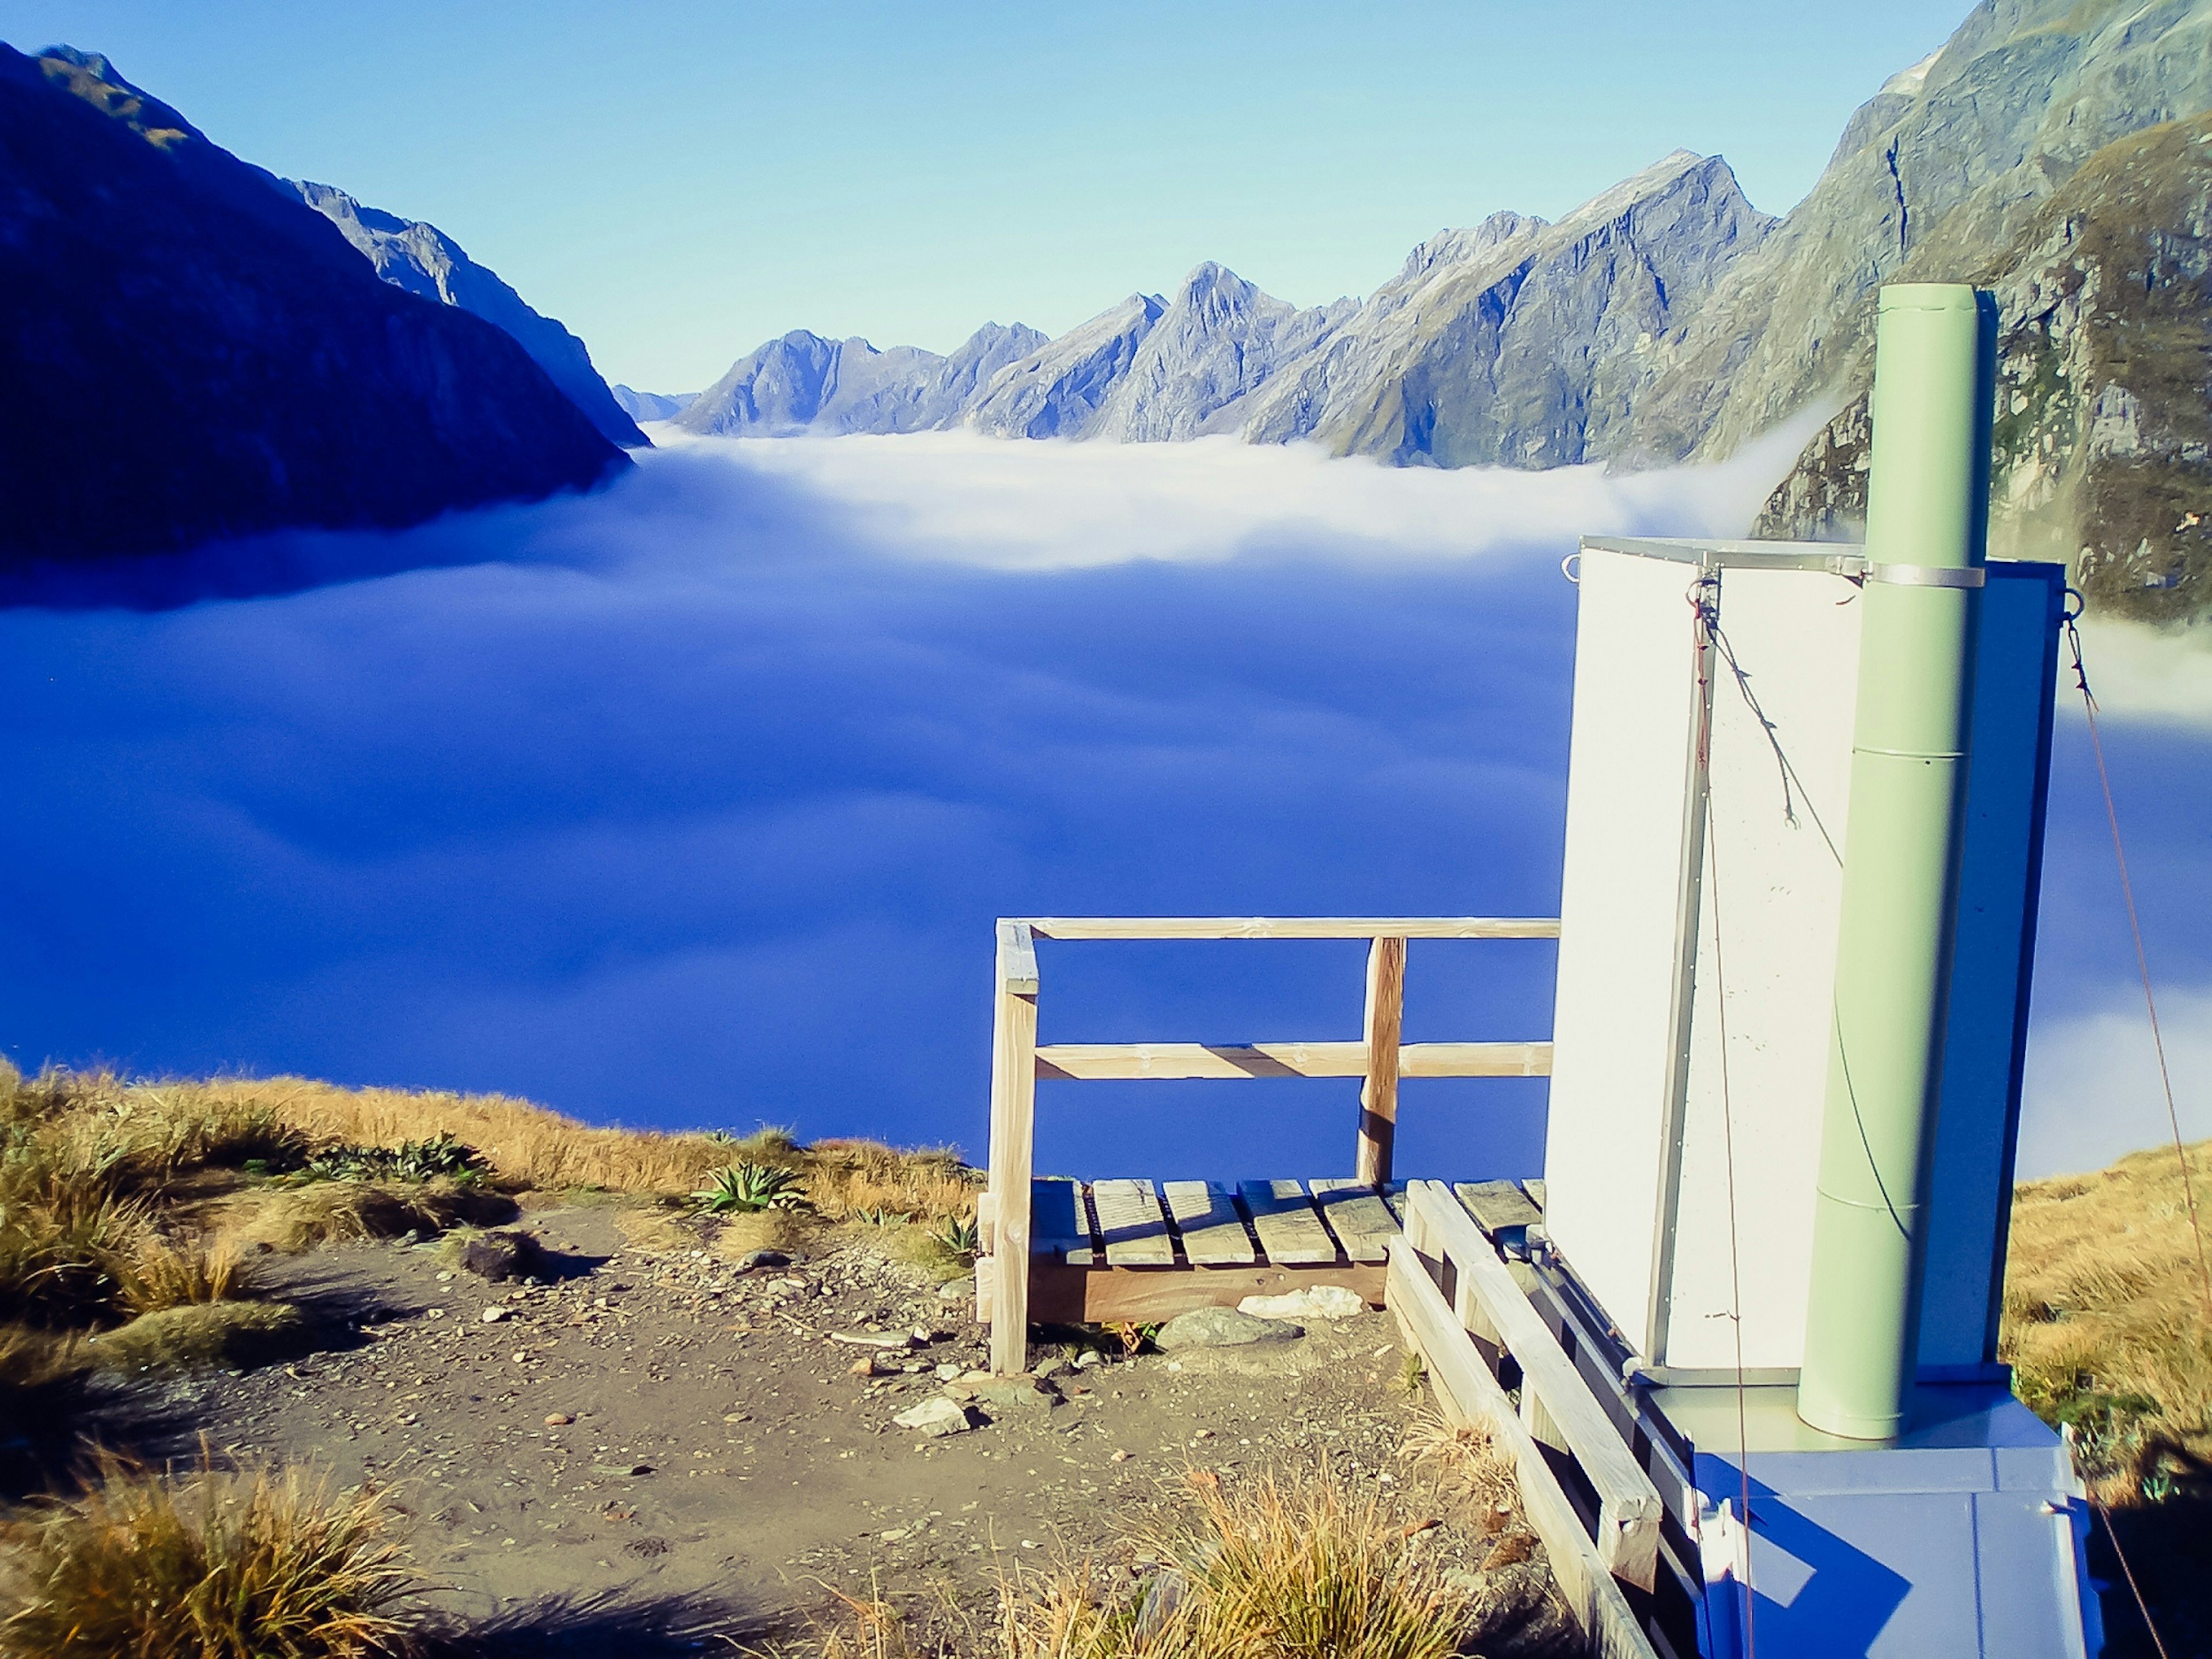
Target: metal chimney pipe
{"x":1926,"y":539}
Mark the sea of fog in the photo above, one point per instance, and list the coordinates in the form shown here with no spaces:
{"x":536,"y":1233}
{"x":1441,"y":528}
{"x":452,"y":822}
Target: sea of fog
{"x":691,"y":803}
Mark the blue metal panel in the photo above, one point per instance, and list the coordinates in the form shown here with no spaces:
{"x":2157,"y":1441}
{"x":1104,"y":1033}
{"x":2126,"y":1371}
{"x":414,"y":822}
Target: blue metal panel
{"x":1985,"y":1037}
{"x":1962,"y":1541}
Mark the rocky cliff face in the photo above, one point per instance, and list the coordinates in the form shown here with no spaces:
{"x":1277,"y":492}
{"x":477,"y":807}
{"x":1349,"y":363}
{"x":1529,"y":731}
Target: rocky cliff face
{"x":420,"y":257}
{"x":1941,"y":169}
{"x":2103,"y":430}
{"x":194,"y":352}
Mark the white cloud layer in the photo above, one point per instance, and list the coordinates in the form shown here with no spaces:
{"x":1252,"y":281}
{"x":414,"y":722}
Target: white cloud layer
{"x":2152,"y":675}
{"x":1025,"y":505}
{"x":2093,"y":1089}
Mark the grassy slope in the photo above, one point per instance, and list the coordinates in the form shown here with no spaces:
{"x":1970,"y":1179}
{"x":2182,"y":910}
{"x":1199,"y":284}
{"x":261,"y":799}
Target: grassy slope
{"x":2105,"y":1321}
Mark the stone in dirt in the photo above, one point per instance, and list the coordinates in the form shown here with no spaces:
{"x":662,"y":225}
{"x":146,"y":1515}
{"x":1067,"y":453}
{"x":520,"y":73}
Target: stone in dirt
{"x":502,"y":1256}
{"x":558,"y":1419}
{"x":1016,"y":1394}
{"x":1315,"y":1302}
{"x":935,"y":1418}
{"x":1222,"y":1328}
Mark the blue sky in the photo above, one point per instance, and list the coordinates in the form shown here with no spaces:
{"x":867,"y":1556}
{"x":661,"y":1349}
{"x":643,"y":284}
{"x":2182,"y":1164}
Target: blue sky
{"x":680,"y":179}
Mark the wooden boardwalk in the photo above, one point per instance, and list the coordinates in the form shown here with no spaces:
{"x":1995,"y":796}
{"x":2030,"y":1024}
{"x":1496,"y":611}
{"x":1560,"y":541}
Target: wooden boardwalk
{"x":1135,"y":1250}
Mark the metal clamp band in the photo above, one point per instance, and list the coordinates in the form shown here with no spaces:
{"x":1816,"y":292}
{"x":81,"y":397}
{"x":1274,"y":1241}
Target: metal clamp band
{"x":1928,"y":575}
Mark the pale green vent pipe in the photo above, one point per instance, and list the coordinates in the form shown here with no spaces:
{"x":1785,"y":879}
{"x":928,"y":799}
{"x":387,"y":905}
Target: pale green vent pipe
{"x":1926,"y":530}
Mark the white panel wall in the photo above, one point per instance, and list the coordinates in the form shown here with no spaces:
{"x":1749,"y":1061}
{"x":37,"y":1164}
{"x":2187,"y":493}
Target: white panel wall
{"x":1768,"y":895}
{"x":1634,"y":703}
{"x":1770,"y":905}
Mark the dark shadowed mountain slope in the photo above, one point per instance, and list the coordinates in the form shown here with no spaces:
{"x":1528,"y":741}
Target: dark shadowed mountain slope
{"x":189,"y":351}
{"x":420,"y":257}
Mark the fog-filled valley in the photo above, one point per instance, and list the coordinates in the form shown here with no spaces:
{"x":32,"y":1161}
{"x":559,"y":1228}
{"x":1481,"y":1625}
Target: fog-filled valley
{"x":691,"y":802}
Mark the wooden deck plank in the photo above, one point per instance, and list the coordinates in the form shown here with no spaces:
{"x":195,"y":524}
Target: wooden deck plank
{"x":1361,"y":1221}
{"x":1058,"y":1228}
{"x":1536,"y":1191}
{"x":1212,"y":1232}
{"x":1289,"y":1226}
{"x":1497,"y":1204}
{"x":1130,"y":1221}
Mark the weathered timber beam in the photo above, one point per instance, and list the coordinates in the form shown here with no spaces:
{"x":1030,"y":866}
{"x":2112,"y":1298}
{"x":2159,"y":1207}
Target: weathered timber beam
{"x":1384,"y":1019}
{"x":1467,"y":1393}
{"x":1172,"y":927}
{"x":1102,"y":1062}
{"x":1629,"y":1505}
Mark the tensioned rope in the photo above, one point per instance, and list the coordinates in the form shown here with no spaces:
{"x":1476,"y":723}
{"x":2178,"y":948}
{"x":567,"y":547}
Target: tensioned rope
{"x":2166,"y":1077}
{"x":2142,"y":960}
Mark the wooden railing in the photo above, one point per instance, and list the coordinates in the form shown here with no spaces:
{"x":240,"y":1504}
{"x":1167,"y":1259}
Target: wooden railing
{"x":1379,"y":1059}
{"x":1447,"y":1287}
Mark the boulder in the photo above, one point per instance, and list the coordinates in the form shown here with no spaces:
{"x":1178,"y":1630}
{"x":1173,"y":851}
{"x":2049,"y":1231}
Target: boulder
{"x":1016,"y":1393}
{"x":1222,"y":1328}
{"x":936,"y":1418}
{"x":502,"y":1256}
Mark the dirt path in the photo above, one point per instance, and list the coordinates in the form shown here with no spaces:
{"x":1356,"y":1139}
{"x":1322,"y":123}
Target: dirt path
{"x":723,"y":1457}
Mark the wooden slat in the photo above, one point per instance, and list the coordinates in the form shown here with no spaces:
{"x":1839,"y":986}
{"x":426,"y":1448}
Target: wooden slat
{"x":1467,"y":1393}
{"x":1058,"y":1228}
{"x":1289,"y":1227}
{"x":1629,"y":1512}
{"x":1105,"y":1061}
{"x":1013,"y":1128}
{"x":1497,"y":1204}
{"x":1017,"y":965}
{"x":1165,"y":928}
{"x":1536,"y":1191}
{"x":1061,"y":1295}
{"x":1361,"y":1221}
{"x":1384,"y":1017}
{"x":1130,"y":1222}
{"x":1206,"y":1214}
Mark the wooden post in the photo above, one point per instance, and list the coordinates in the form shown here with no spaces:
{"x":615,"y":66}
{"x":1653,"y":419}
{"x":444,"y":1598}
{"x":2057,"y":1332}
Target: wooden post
{"x":1013,"y":1126}
{"x":1378,"y":1095}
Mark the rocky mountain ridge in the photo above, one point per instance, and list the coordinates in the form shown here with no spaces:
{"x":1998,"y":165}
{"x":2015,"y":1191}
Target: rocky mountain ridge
{"x":1668,"y":320}
{"x":418,"y":257}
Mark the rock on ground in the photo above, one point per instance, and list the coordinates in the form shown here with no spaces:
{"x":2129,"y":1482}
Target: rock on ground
{"x":1315,"y":1302}
{"x":1222,"y":1328}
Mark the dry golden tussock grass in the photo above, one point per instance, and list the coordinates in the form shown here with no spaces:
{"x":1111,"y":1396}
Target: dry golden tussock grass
{"x":2106,"y":1324}
{"x":207,"y":1566}
{"x":1282,"y":1567}
{"x":527,"y":1146}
